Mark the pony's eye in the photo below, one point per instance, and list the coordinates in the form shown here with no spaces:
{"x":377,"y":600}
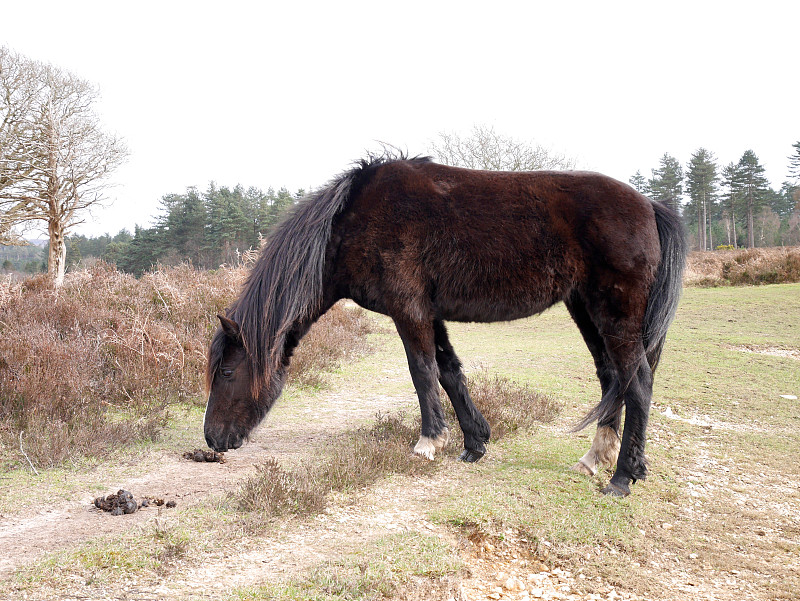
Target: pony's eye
{"x":226,"y":373}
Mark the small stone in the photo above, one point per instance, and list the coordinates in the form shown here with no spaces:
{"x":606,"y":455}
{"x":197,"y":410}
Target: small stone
{"x":667,"y":526}
{"x":514,"y":584}
{"x":692,"y":555}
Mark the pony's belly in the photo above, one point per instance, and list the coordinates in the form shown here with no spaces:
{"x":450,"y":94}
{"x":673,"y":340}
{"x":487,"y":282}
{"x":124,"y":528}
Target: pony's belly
{"x":490,"y":310}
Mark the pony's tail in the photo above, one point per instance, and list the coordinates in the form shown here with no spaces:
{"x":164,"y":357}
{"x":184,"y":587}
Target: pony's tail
{"x":666,"y":290}
{"x":661,"y":306}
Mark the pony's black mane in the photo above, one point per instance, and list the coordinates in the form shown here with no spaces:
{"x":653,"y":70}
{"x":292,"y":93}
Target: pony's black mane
{"x":285,"y":285}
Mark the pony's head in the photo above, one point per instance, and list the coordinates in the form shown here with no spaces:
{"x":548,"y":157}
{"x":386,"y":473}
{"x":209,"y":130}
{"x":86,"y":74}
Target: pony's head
{"x":282,"y":297}
{"x":238,"y":399}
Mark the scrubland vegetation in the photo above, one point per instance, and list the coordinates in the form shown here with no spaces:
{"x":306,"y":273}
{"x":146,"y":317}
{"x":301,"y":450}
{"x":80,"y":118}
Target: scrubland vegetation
{"x":98,"y":363}
{"x":745,"y":267}
{"x":108,"y":361}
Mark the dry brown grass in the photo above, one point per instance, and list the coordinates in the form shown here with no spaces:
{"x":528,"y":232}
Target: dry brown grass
{"x":744,"y":267}
{"x":96,"y":364}
{"x":355,"y":459}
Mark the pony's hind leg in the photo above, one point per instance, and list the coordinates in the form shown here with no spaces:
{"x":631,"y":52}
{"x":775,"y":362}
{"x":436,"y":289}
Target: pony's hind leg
{"x":605,"y":446}
{"x":602,"y":453}
{"x":618,"y":320}
{"x":418,"y":341}
{"x":474,"y":426}
{"x":636,"y":383}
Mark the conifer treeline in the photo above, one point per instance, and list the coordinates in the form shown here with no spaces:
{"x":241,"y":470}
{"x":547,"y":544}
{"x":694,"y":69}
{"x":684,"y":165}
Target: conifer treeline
{"x":732,"y":205}
{"x":208,"y":229}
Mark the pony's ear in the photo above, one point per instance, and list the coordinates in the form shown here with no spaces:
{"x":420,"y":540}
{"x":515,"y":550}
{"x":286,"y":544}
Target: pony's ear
{"x":230,"y":327}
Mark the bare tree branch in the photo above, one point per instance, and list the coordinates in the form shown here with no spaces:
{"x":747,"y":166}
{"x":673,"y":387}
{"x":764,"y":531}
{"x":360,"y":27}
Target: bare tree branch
{"x":486,"y":149}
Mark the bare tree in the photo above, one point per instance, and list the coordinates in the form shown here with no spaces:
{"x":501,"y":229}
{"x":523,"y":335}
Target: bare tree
{"x":59,"y":161}
{"x":19,"y":89}
{"x":484,"y":148}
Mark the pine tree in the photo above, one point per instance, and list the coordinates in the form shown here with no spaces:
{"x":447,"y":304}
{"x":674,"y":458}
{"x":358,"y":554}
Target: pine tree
{"x":701,"y":185}
{"x":183,"y":222}
{"x":230,"y":226}
{"x":666,"y":185}
{"x":729,"y":202}
{"x":791,"y":189}
{"x":753,"y":189}
{"x":142,"y":252}
{"x":794,"y":163}
{"x":639,"y":183}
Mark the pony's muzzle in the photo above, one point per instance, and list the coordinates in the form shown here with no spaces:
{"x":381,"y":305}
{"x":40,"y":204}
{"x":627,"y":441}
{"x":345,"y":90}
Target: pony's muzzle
{"x":223,"y":443}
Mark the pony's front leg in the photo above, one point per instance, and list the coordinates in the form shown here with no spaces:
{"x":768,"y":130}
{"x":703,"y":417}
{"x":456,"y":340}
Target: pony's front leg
{"x":418,"y":342}
{"x":474,"y":426}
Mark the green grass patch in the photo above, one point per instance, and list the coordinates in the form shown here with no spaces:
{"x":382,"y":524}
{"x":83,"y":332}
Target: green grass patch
{"x":528,"y":487}
{"x":376,"y":571}
{"x":150,"y":552}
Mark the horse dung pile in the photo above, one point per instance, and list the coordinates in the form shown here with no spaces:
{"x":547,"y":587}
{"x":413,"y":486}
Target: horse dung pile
{"x":123,"y":503}
{"x":200,"y":456}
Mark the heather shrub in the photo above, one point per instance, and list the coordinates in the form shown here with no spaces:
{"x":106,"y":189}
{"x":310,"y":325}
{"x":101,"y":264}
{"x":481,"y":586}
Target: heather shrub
{"x":273,"y":491}
{"x":509,"y":406}
{"x":506,"y":405}
{"x":745,"y":267}
{"x":97,"y":363}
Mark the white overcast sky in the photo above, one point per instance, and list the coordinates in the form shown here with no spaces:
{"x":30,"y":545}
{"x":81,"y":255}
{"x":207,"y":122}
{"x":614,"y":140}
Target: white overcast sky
{"x":289,"y":93}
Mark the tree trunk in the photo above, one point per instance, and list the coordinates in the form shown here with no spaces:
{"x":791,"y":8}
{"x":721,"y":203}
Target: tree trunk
{"x":751,"y":238}
{"x":56,"y":259}
{"x":700,"y":242}
{"x":705,"y":219}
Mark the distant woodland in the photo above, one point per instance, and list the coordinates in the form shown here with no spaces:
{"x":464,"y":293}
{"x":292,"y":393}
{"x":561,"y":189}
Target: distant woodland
{"x":731,"y":206}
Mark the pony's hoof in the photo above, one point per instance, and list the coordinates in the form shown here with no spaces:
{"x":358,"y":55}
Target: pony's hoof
{"x":471,"y":455}
{"x":613,"y":490}
{"x":584,"y":469}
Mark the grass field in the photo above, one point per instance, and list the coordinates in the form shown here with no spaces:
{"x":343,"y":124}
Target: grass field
{"x":716,"y":519}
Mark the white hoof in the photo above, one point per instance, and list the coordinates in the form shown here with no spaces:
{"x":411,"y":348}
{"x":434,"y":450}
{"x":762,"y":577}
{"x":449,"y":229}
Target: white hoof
{"x":427,"y":447}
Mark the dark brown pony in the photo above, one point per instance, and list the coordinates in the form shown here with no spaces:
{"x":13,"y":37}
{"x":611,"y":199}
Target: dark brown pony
{"x":425,"y":243}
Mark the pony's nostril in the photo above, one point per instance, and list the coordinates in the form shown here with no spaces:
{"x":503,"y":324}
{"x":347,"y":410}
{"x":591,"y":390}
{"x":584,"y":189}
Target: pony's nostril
{"x":214,"y":444}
